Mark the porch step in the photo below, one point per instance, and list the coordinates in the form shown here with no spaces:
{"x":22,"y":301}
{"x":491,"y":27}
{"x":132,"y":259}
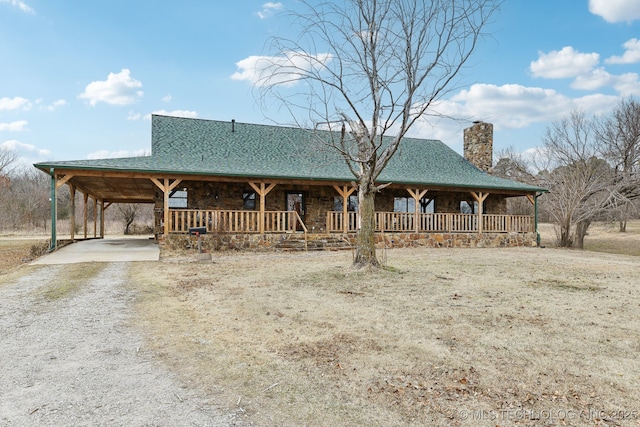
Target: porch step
{"x":317,"y":243}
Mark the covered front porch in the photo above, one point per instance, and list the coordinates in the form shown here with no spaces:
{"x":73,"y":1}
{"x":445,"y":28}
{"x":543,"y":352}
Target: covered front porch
{"x":240,"y":221}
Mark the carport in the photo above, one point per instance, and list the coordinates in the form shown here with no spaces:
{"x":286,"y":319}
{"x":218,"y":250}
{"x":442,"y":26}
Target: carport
{"x":103,"y":187}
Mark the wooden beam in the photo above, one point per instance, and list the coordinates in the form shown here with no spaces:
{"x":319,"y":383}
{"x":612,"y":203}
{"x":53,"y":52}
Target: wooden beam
{"x":85,"y":213}
{"x":157,"y":183}
{"x":480,"y":198}
{"x":531,"y":199}
{"x":417,"y":195}
{"x":166,"y":186}
{"x":95,"y":217}
{"x":262,"y":190}
{"x":63,"y":181}
{"x":345,"y":192}
{"x":72,"y":215}
{"x":102,"y":208}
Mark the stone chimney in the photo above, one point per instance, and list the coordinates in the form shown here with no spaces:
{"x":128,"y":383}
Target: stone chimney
{"x":478,"y":145}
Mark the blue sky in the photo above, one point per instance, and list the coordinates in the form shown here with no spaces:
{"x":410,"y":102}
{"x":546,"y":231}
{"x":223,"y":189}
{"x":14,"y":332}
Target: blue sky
{"x":80,"y":79}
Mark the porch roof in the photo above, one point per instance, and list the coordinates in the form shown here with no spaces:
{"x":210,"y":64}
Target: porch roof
{"x":184,"y":146}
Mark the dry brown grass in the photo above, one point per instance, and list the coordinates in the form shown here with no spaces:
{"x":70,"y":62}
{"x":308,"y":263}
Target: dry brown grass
{"x":480,"y":337}
{"x":15,"y":252}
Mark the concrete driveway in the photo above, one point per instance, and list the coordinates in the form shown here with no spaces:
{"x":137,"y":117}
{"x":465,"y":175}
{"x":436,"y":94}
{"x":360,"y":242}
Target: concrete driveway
{"x":104,"y":250}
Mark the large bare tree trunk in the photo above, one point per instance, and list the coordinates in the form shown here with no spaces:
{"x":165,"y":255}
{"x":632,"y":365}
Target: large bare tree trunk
{"x":565,"y":240}
{"x":365,"y":239}
{"x":581,"y":231}
{"x":128,"y":213}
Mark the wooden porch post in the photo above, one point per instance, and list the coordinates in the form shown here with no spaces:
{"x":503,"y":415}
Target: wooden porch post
{"x":101,"y":218}
{"x":166,"y":188}
{"x":72,"y":216}
{"x":262,"y":190}
{"x":480,"y":198}
{"x":417,"y":196}
{"x":345,"y":192}
{"x":102,"y":209}
{"x":85,"y":213}
{"x":95,"y":217}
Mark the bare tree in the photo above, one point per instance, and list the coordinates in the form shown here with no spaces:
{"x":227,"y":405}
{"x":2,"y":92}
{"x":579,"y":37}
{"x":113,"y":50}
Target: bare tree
{"x":620,"y":136}
{"x":7,"y":158}
{"x":29,"y":199}
{"x":128,"y":214}
{"x":581,"y":186}
{"x":515,"y":166}
{"x":371,"y":69}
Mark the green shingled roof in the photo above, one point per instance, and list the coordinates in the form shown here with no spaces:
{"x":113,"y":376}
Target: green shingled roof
{"x":217,"y":148}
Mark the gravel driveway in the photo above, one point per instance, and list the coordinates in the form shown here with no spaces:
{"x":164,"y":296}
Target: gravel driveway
{"x":74,"y":361}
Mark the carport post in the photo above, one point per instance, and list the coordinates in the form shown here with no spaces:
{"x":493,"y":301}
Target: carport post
{"x":53,"y":243}
{"x":535,"y":210}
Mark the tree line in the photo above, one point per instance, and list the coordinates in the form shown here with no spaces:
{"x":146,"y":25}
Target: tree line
{"x":589,"y":165}
{"x":24,"y":196}
{"x":25,"y":203}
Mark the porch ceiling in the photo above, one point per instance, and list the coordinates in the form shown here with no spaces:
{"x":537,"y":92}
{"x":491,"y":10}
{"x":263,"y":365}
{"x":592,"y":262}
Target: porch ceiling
{"x":116,"y":189}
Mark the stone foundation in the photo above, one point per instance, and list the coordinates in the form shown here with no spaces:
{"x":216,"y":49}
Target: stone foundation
{"x":296,"y":241}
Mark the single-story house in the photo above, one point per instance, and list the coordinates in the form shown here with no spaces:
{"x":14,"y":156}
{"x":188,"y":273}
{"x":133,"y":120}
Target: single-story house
{"x":254,"y":186}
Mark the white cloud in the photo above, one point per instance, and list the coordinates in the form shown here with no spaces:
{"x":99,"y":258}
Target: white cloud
{"x":597,"y":104}
{"x":268,"y":9}
{"x":166,"y":98}
{"x":563,"y":63}
{"x":20,"y":5}
{"x":27,"y":154}
{"x":631,"y":54}
{"x":513,"y":109}
{"x":15,"y":103}
{"x":18,"y":147}
{"x":616,"y":10}
{"x":283,"y":70}
{"x":628,"y":84}
{"x":134,"y":116}
{"x":54,"y":105}
{"x":514,"y":106}
{"x":509,"y":106}
{"x":174,"y":113}
{"x":17,"y":126}
{"x":118,"y":89}
{"x":106,"y":154}
{"x":593,"y":80}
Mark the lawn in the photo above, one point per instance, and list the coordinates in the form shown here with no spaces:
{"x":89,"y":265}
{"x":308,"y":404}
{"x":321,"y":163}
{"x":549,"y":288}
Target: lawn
{"x":440,"y":337}
{"x":469,"y":337}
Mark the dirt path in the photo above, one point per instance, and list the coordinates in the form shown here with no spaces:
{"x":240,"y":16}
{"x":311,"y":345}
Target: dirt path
{"x":73,"y":360}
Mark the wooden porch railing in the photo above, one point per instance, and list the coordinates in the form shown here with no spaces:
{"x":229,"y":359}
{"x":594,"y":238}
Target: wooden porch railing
{"x":238,"y":221}
{"x":434,"y":222}
{"x":232,"y":221}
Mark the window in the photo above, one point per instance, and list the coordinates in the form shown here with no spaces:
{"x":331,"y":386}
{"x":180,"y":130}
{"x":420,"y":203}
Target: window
{"x":468,"y":208}
{"x":427,"y":205}
{"x":249,"y":200}
{"x":178,"y":199}
{"x":408,"y":204}
{"x":404,"y":204}
{"x":352,"y":203}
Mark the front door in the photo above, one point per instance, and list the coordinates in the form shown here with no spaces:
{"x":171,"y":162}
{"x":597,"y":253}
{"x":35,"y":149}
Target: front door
{"x":295,"y":203}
